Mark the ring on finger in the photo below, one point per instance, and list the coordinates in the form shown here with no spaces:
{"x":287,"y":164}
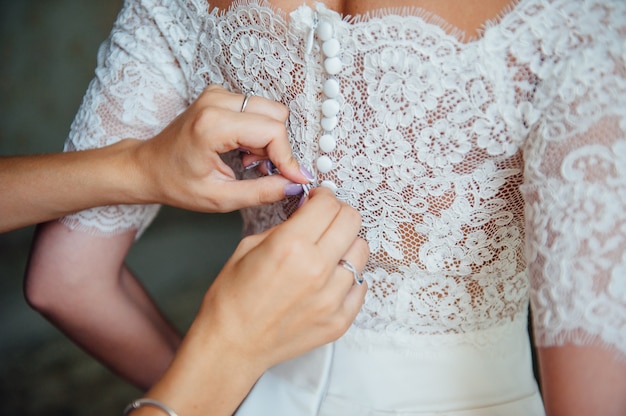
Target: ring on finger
{"x":245,"y":101}
{"x":358,"y":279}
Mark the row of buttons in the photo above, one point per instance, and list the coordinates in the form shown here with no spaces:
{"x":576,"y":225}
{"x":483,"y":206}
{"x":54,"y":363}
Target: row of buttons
{"x":332,"y":91}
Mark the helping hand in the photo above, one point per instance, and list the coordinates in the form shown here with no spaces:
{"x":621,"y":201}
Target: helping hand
{"x":183,"y":164}
{"x":283,"y":292}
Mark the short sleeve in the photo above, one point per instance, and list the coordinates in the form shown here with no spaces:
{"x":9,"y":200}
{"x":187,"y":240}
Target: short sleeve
{"x":137,"y":90}
{"x":575,"y":195}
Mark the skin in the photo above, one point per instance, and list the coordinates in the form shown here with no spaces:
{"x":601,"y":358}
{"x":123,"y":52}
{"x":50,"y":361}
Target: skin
{"x":236,"y":331}
{"x":71,"y":270}
{"x":468,"y":18}
{"x":179,"y":167}
{"x":575,"y":380}
{"x":258,"y":332}
{"x":582,"y":380}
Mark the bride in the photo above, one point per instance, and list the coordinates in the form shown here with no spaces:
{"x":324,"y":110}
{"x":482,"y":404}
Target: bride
{"x":483,"y":143}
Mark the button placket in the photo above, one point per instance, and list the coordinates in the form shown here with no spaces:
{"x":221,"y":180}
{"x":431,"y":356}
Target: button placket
{"x":331,"y":49}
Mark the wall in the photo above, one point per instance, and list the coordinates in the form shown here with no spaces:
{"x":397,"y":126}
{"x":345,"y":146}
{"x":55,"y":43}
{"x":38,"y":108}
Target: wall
{"x":47,"y":57}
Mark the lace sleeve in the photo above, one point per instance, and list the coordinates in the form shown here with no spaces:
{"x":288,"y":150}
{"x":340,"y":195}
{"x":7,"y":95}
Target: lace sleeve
{"x":575,"y":191}
{"x":138,"y":88}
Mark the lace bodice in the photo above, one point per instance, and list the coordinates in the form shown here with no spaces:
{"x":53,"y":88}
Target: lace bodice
{"x":486,"y":171}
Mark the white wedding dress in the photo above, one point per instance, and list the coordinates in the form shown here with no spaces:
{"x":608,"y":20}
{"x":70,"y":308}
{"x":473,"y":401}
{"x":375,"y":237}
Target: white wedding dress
{"x":488,"y":172}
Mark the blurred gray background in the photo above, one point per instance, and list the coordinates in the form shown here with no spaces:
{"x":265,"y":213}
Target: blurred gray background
{"x":47,"y":57}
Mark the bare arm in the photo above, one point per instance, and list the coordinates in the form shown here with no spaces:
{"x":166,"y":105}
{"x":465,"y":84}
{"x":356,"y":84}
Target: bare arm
{"x":180,"y":166}
{"x":582,"y":380}
{"x":42,"y":187}
{"x":254,"y":316}
{"x":80,"y":283}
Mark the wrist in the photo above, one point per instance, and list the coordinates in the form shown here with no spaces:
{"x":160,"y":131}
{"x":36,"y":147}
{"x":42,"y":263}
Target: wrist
{"x":200,"y":379}
{"x":147,"y":402}
{"x":137,"y":162}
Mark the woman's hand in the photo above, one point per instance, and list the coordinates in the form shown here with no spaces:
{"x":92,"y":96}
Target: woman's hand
{"x":182,"y":164}
{"x":281,"y":294}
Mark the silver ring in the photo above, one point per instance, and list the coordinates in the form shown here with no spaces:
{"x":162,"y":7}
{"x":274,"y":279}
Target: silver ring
{"x":349,"y":266}
{"x":245,"y":101}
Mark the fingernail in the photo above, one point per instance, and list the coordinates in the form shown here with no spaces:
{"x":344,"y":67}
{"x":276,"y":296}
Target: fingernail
{"x":292,"y":189}
{"x":307,"y":174}
{"x":271,"y":168}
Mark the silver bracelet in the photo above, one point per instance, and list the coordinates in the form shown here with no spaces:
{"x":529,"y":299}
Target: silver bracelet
{"x":148,"y":402}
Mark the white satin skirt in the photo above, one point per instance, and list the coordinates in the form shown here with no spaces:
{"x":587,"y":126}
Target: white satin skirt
{"x":441,"y":376}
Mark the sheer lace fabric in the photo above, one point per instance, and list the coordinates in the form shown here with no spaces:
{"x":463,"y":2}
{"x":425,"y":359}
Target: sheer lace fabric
{"x":487,"y":172}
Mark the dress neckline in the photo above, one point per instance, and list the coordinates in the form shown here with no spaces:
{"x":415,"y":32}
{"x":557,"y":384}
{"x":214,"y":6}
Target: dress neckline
{"x":427,"y":17}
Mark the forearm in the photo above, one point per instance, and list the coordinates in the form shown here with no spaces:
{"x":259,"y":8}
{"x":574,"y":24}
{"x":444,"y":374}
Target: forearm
{"x":43,"y":187}
{"x":181,"y":166}
{"x":582,"y":380}
{"x":238,"y":334}
{"x":78,"y":281}
{"x":206,"y":377}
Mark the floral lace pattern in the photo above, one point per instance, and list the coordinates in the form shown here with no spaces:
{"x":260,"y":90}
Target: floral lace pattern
{"x":487,"y":172}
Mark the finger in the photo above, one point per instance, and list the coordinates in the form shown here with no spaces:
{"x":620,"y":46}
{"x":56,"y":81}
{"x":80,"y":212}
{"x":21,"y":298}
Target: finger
{"x":214,"y":95}
{"x":341,"y":289}
{"x":263,"y":106}
{"x":265,"y":139}
{"x":344,"y":278}
{"x":227,"y":130}
{"x":311,"y":220}
{"x":341,"y":232}
{"x":253,"y":129}
{"x":262,"y":137}
{"x":278,"y":151}
{"x":254,"y":192}
{"x":352,"y":303}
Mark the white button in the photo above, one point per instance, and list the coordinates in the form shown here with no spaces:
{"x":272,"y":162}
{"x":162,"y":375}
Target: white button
{"x":330,"y":108}
{"x":330,"y":185}
{"x":324,"y":30}
{"x":331,"y":88}
{"x":333,"y":65}
{"x":327,"y":143}
{"x":329,"y":123}
{"x":324,"y":164}
{"x":331,"y":47}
